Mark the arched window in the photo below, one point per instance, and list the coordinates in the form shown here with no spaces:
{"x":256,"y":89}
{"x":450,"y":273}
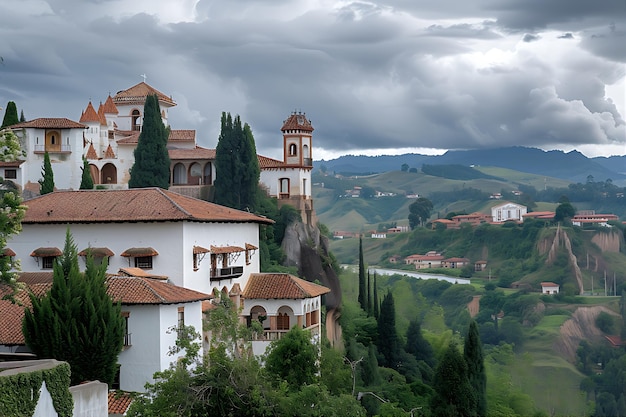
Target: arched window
{"x":109,"y":174}
{"x":293,"y":150}
{"x":305,"y":151}
{"x":136,"y":119}
{"x":283,"y":191}
{"x":208,"y":174}
{"x":282,"y":321}
{"x":180,"y":174}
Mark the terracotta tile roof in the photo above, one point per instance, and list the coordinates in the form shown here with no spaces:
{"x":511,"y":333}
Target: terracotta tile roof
{"x":96,"y":252}
{"x":101,"y":117}
{"x":50,"y":123}
{"x":132,"y":205}
{"x":133,"y":252}
{"x":119,"y":402}
{"x":52,"y":251}
{"x":109,"y":154}
{"x":226,"y":249}
{"x":182,"y":135}
{"x":11,"y":324}
{"x":138,"y":290}
{"x":297,"y":121}
{"x":89,"y":115}
{"x":265,"y":162}
{"x":30,"y":278}
{"x":139,"y":273}
{"x":456,"y":260}
{"x":12,"y":164}
{"x":200,"y":249}
{"x":281,"y":286}
{"x":8,"y":252}
{"x":549,"y":284}
{"x":130,"y":138}
{"x":91,"y":152}
{"x":109,"y":107}
{"x":197,"y":153}
{"x":137,"y":95}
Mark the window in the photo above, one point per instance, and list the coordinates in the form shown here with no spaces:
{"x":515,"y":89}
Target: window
{"x":47,"y":262}
{"x":293,"y":150}
{"x":127,"y":340}
{"x":10,"y":174}
{"x":144,"y":262}
{"x":181,"y":322}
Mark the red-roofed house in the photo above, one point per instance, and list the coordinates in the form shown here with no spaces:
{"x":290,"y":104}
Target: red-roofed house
{"x":431,"y":259}
{"x":279,"y":302}
{"x":549,"y":288}
{"x":454,"y":262}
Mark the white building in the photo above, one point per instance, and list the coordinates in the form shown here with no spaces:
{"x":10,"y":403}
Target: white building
{"x":508,"y":211}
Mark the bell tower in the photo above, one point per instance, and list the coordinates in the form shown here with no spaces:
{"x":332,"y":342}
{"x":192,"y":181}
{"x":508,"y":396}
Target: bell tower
{"x":297,"y":141}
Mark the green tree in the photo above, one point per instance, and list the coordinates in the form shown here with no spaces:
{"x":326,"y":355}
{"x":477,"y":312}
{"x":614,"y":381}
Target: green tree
{"x":76,"y":321}
{"x":419,"y":212}
{"x":152,"y":162}
{"x":86,"y":181}
{"x":22,"y":118}
{"x":473,"y":355}
{"x":10,"y":115}
{"x":293,"y":359}
{"x":10,"y":149}
{"x":388,"y":342}
{"x":46,"y":184}
{"x":564,"y":211}
{"x":236,"y":166}
{"x":362,"y":285}
{"x":404,"y":167}
{"x":417,"y":345}
{"x":453,"y":392}
{"x":376,"y":300}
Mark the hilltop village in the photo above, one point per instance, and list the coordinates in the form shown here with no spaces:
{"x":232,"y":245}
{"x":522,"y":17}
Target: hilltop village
{"x":171,"y":254}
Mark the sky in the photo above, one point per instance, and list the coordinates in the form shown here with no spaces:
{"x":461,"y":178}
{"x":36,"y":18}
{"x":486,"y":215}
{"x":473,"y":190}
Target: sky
{"x":374,"y":77}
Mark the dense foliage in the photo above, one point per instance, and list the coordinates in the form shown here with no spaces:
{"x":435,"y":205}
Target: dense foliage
{"x":236,"y":166}
{"x":76,"y":321}
{"x":152,"y":161}
{"x":10,"y":115}
{"x":86,"y":181}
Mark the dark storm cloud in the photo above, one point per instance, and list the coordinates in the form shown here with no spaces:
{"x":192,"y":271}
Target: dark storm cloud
{"x":389,"y":75}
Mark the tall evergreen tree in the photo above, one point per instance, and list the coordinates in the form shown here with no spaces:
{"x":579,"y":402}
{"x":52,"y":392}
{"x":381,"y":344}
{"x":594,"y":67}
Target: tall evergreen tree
{"x":236,"y":166}
{"x":152,"y":162}
{"x":453,"y":392}
{"x":86,"y":181}
{"x":362,"y":289}
{"x":76,"y":321}
{"x":10,"y":115}
{"x":473,"y":355}
{"x":370,"y":306}
{"x":46,"y":184}
{"x":388,"y":342}
{"x":417,"y":346}
{"x":22,"y":118}
{"x":376,"y":299}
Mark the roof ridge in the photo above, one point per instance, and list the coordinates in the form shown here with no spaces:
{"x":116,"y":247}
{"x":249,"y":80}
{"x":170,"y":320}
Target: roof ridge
{"x":166,"y":193}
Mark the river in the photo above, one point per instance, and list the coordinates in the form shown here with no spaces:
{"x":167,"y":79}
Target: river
{"x":384,"y":271}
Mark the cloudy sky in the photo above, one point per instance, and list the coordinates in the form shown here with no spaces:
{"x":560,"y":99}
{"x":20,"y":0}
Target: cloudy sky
{"x":375,"y":77}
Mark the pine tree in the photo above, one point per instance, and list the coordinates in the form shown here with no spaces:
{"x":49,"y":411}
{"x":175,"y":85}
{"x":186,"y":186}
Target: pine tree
{"x":376,"y":299}
{"x":473,"y":355}
{"x":388,"y":342}
{"x":10,"y":115}
{"x":362,"y":290}
{"x":417,"y":346}
{"x":86,"y":181}
{"x":236,"y":166}
{"x":152,"y":162}
{"x":46,"y":184}
{"x":77,"y":321}
{"x":22,"y":118}
{"x":453,"y":393}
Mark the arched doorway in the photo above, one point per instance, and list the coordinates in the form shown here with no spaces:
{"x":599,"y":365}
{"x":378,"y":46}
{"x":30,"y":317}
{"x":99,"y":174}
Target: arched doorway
{"x":135,"y":117}
{"x":195,"y":174}
{"x":109,"y":174}
{"x":95,"y":173}
{"x":180,"y":174}
{"x":284,"y":318}
{"x":53,"y":141}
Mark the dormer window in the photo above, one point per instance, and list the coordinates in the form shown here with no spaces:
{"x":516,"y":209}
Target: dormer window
{"x":141,"y":257}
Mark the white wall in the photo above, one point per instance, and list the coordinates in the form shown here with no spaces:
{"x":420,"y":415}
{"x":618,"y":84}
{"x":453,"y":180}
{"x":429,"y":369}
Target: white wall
{"x":90,"y":399}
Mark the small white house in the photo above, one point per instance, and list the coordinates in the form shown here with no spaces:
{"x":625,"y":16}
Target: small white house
{"x":549,"y":288}
{"x":508,"y":211}
{"x":279,"y":302}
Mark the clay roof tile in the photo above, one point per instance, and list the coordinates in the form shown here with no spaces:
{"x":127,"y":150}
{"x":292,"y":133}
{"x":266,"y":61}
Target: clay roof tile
{"x":281,"y":286}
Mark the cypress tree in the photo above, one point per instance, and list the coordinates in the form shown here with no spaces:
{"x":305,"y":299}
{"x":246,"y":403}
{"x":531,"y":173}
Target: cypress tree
{"x":370,"y":307}
{"x":10,"y":115}
{"x":417,"y":346}
{"x":236,"y":166}
{"x":453,"y":392}
{"x":76,"y":321}
{"x":46,"y":184}
{"x":22,"y":118}
{"x":473,"y":355}
{"x":376,"y":300}
{"x":152,"y":162}
{"x":86,"y":182}
{"x":388,"y":342}
{"x":362,"y":289}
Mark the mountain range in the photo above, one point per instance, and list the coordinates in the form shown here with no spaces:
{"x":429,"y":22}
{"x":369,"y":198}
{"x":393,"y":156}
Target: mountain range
{"x":572,"y":166}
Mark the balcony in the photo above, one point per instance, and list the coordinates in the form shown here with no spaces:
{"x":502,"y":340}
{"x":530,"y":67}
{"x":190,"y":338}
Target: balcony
{"x":271,"y":335}
{"x":230,"y":272}
{"x":307,"y":162}
{"x":53,"y":149}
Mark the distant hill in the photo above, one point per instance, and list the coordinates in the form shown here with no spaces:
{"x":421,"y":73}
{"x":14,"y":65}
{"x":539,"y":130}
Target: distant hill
{"x":572,"y":166}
